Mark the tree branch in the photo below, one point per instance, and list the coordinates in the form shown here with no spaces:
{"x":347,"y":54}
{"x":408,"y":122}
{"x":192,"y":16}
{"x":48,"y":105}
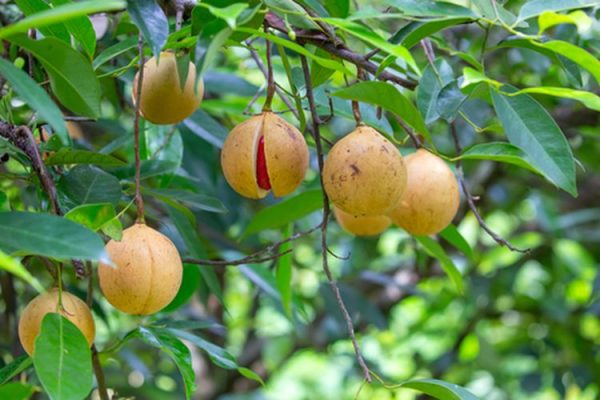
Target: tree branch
{"x":340,"y":50}
{"x":326,"y":211}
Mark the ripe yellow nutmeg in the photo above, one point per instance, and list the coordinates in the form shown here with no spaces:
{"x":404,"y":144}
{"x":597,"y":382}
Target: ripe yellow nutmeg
{"x":362,"y":226}
{"x":364,"y":174}
{"x":264,"y":153}
{"x":74,"y":309}
{"x":147,"y":272}
{"x":163,"y":99}
{"x":431,"y":199}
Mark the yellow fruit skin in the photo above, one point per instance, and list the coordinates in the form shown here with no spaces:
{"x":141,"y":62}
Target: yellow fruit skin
{"x":163,"y":100}
{"x":286,"y":155}
{"x":75,"y":310}
{"x":362,"y":226}
{"x":148,"y":271}
{"x":431,"y":199}
{"x":364,"y":174}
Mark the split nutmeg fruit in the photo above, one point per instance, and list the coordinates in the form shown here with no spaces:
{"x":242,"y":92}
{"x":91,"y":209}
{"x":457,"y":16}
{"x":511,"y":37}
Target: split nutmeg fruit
{"x":431,"y":199}
{"x":364,"y":174}
{"x":264,"y":153}
{"x":163,"y":99}
{"x":74,"y":309}
{"x":147,"y":272}
{"x":362,"y":226}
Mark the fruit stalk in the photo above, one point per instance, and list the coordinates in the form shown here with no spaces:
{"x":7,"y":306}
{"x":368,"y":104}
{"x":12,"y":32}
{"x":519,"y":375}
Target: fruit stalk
{"x":139,"y":200}
{"x":326,"y":211}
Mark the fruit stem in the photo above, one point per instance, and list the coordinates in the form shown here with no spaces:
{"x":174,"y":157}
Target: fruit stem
{"x":139,"y":200}
{"x":270,"y":79}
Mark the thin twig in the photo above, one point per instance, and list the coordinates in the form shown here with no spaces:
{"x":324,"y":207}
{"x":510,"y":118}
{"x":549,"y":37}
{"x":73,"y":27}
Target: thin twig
{"x":322,"y":41}
{"x":263,"y":69}
{"x":471,"y":202}
{"x":326,"y":211}
{"x":139,"y":200}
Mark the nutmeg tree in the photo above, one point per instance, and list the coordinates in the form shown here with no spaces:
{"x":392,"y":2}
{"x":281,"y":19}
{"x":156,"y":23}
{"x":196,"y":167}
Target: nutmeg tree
{"x":314,"y":199}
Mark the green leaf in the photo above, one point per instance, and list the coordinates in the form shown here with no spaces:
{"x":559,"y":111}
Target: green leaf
{"x":369,"y":36}
{"x":289,"y":11}
{"x":62,"y":359}
{"x":440,"y":389}
{"x":165,"y":341}
{"x":338,"y":8}
{"x":430,"y":86}
{"x":71,"y":76}
{"x":588,"y":99}
{"x":283,"y":274}
{"x":82,"y":30}
{"x":500,"y":152}
{"x":85,"y":184}
{"x":430,"y":8}
{"x":151,"y":21}
{"x":101,"y":216}
{"x":386,"y":96}
{"x":30,"y":7}
{"x":218,"y":355}
{"x":325,"y":62}
{"x":453,"y":236}
{"x":196,"y":201}
{"x":529,"y":126}
{"x":14,"y":368}
{"x":61,"y":14}
{"x":25,"y":233}
{"x":285,"y":212}
{"x":115,"y":50}
{"x":13,"y":266}
{"x":533,"y":8}
{"x":68,"y":156}
{"x":16,"y":391}
{"x":36,"y":97}
{"x":436,"y":251}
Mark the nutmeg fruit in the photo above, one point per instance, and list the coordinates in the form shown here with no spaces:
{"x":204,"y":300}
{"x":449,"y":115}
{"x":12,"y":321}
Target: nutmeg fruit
{"x":163,"y":99}
{"x":147,"y":272}
{"x":74,"y":309}
{"x":364,"y":174}
{"x":431,"y":199}
{"x":264,"y":153}
{"x":362,"y":226}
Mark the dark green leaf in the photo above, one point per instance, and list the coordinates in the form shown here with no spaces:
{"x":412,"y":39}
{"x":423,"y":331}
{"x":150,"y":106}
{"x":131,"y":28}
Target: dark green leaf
{"x":24,"y":233}
{"x":85,"y":184}
{"x":14,"y":368}
{"x":35,"y":96}
{"x":82,"y":30}
{"x":30,"y":7}
{"x":16,"y":391}
{"x":440,"y":389}
{"x":164,"y":340}
{"x":61,"y":14}
{"x":151,"y":21}
{"x":289,"y":210}
{"x":68,"y":156}
{"x":62,"y":359}
{"x":436,"y":251}
{"x":529,"y":126}
{"x":389,"y":98}
{"x":71,"y":76}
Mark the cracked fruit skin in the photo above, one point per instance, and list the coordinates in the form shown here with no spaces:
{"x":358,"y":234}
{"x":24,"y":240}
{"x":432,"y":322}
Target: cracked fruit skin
{"x":75,"y":310}
{"x":362,"y":226}
{"x":163,"y":100}
{"x":431,"y":199}
{"x":147,"y":272}
{"x":364,"y":174}
{"x":264,"y":153}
